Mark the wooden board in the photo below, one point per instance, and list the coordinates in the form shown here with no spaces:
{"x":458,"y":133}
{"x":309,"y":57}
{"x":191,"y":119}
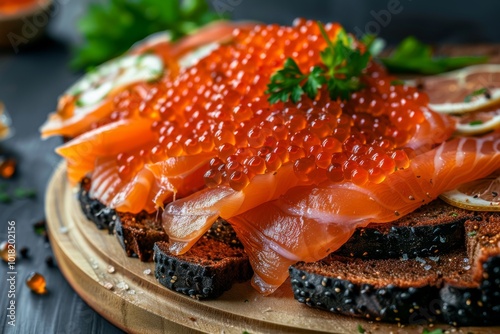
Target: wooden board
{"x":137,"y":303}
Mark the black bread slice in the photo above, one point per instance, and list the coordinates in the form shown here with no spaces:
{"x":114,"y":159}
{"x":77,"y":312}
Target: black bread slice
{"x":448,"y":288}
{"x":102,"y":216}
{"x":433,"y":229}
{"x":469,"y":306}
{"x":137,"y":234}
{"x":208,"y":269}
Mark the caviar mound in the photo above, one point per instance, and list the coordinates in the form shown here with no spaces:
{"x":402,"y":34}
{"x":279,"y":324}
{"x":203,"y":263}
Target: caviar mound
{"x":224,"y":110}
{"x":433,"y":229}
{"x":454,"y":287}
{"x":207,"y":270}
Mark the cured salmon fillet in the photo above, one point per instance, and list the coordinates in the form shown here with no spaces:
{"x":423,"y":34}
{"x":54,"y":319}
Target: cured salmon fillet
{"x":308,"y":223}
{"x":294,"y":178}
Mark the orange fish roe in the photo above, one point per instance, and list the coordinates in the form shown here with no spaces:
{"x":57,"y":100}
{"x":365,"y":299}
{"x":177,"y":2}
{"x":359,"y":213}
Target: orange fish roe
{"x":220,"y":105}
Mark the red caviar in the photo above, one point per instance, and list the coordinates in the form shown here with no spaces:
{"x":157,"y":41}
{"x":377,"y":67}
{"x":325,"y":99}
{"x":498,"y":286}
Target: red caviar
{"x":219,"y":105}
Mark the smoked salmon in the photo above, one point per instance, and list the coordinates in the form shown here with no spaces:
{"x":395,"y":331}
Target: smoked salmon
{"x":294,"y":177}
{"x":97,"y":95}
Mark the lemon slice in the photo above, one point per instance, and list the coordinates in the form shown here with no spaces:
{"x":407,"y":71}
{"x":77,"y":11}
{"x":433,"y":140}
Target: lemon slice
{"x":452,"y":92}
{"x":479,"y":195}
{"x":479,"y":122}
{"x":471,"y":95}
{"x":116,"y":73}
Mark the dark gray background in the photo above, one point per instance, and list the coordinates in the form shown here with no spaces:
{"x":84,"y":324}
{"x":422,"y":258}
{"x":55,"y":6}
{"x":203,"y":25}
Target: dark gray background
{"x":31,"y":81}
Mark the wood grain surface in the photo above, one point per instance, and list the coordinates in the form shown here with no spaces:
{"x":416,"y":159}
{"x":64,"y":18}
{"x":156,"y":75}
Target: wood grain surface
{"x":90,"y":259}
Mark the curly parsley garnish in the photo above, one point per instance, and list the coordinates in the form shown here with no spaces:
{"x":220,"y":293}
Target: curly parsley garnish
{"x":341,"y":67}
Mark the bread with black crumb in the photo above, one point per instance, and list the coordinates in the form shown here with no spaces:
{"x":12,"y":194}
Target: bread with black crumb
{"x":461,"y":287}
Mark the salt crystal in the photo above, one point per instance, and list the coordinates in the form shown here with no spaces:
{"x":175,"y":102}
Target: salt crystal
{"x":122,"y":285}
{"x":434,"y":258}
{"x":466,"y":260}
{"x":63,"y":229}
{"x":427,"y":267}
{"x":111,"y":269}
{"x":419,"y":259}
{"x":147,"y":272}
{"x":467,"y":267}
{"x":405,"y":257}
{"x":108,"y":286}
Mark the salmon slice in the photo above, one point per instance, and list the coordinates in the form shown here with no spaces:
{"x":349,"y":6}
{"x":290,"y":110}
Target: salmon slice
{"x":187,"y":219}
{"x":150,"y":186}
{"x":308,"y":223}
{"x":81,"y":119}
{"x":72,"y":119}
{"x":436,"y":129}
{"x":108,"y":140}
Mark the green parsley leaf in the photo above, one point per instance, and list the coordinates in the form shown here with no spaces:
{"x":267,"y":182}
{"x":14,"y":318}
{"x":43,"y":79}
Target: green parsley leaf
{"x":472,"y":234}
{"x":111,"y":29}
{"x":286,"y":83}
{"x":342,"y":64}
{"x":315,"y":80}
{"x":413,"y":56}
{"x":476,"y":122}
{"x":5,"y":198}
{"x":22,"y":193}
{"x":436,"y":331}
{"x":481,"y":91}
{"x":361,"y":329}
{"x":40,"y":227}
{"x":397,"y":82}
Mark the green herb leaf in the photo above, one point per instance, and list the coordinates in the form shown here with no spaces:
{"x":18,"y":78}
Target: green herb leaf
{"x":40,"y":227}
{"x":413,"y":56}
{"x":5,"y":198}
{"x":315,"y":80}
{"x":397,"y":82}
{"x":22,"y":193}
{"x":481,"y":91}
{"x":342,"y":64}
{"x":476,"y":122}
{"x":436,"y":331}
{"x":286,"y":83}
{"x":361,"y":329}
{"x":472,"y":234}
{"x":111,"y":29}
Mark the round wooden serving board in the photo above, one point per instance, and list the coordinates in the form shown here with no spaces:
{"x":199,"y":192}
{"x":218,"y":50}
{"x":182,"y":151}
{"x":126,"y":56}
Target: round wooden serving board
{"x":137,"y":303}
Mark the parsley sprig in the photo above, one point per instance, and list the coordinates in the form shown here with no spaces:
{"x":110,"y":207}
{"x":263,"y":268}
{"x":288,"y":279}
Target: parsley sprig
{"x":341,"y":67}
{"x":110,"y":28}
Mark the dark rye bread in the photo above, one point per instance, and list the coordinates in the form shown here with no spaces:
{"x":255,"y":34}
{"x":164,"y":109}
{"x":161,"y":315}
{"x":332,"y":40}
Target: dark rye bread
{"x":452,"y":288}
{"x":102,"y":216}
{"x":136,"y":233}
{"x":208,"y":269}
{"x":432,"y":229}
